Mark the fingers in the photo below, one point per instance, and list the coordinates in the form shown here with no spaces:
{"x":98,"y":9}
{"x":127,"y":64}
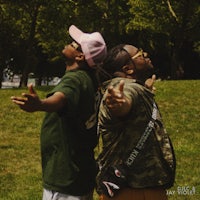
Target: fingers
{"x":149,"y":83}
{"x":153,"y":77}
{"x":117,"y":91}
{"x":154,"y":80}
{"x":113,"y":101}
{"x":121,"y":86}
{"x":31,"y":89}
{"x":110,"y":90}
{"x":20,"y":103}
{"x":32,"y":92}
{"x":28,"y":101}
{"x":13,"y":98}
{"x":113,"y":93}
{"x":27,"y":96}
{"x":18,"y":100}
{"x":115,"y":96}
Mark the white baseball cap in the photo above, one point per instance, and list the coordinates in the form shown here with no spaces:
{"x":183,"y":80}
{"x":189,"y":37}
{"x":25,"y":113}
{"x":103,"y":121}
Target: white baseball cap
{"x":92,"y":44}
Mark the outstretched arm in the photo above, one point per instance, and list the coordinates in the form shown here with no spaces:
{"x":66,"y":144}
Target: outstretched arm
{"x":118,"y":104}
{"x":30,"y":102}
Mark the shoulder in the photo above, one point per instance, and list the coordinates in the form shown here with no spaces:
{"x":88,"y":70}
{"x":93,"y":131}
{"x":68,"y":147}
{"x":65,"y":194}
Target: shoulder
{"x":72,"y":81}
{"x":76,"y":76}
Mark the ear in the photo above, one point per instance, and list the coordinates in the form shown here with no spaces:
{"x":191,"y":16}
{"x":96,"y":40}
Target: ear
{"x":127,"y":70}
{"x":80,"y":57}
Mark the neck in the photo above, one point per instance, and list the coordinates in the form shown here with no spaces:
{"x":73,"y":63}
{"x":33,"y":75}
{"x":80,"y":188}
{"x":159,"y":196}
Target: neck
{"x":138,"y":77}
{"x":72,"y":66}
{"x":142,"y":76}
{"x":141,"y":79}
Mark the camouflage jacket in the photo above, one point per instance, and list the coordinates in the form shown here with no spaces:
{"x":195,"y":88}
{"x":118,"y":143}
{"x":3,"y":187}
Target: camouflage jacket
{"x":155,"y":164}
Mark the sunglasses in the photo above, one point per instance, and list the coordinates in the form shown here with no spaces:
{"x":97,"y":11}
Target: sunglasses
{"x":76,"y":46}
{"x":140,"y":53}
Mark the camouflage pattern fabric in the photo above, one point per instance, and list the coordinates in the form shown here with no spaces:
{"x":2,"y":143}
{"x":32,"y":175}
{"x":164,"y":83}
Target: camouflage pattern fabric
{"x":155,"y":165}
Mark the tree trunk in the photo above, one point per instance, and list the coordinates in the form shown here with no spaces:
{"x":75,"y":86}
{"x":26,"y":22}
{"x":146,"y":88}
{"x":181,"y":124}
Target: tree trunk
{"x":30,"y":44}
{"x":174,"y":65}
{"x":1,"y":77}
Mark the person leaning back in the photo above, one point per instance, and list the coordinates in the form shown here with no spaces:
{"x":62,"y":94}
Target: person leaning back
{"x":68,"y":133}
{"x":137,"y":161}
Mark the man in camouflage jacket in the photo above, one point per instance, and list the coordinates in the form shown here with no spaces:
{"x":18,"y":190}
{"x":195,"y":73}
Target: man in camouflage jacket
{"x":124,"y":114}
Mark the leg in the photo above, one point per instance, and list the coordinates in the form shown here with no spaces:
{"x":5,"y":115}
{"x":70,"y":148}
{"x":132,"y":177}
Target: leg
{"x":51,"y":195}
{"x":138,"y":194}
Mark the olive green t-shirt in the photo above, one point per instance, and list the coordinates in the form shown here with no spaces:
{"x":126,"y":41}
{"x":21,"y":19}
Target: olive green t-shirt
{"x":68,"y":138}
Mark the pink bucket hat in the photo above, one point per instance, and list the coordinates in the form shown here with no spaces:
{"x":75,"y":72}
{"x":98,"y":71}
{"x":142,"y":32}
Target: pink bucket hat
{"x":92,"y":45}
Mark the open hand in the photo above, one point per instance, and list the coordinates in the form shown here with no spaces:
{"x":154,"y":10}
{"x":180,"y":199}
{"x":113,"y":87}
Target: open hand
{"x":28,"y":102}
{"x":149,"y":83}
{"x":115,"y":96}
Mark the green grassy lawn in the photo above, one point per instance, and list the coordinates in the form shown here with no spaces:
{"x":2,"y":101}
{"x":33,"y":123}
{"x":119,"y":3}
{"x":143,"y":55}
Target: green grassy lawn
{"x":20,"y":170}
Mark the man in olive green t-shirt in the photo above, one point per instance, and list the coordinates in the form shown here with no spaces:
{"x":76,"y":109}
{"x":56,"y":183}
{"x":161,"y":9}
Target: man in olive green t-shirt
{"x":68,"y":133}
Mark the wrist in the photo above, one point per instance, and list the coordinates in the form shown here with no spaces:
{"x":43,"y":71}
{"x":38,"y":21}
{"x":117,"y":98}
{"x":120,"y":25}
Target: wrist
{"x":41,"y":105}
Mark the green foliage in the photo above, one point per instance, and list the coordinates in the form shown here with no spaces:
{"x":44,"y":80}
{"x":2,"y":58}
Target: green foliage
{"x":20,"y":170}
{"x":167,"y":29}
{"x":175,"y":24}
{"x":147,"y":15}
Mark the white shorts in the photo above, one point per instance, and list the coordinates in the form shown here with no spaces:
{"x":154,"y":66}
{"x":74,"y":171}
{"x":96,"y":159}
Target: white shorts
{"x":51,"y":195}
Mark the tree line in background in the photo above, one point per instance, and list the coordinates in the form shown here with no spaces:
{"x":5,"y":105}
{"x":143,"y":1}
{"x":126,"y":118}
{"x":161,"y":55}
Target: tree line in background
{"x":34,"y":32}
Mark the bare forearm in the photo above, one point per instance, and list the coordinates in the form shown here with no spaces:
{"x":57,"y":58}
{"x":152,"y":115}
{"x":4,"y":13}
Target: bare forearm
{"x":32,"y":103}
{"x":53,"y":103}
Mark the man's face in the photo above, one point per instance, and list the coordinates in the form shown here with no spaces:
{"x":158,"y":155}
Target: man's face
{"x":141,"y":62}
{"x":71,"y":50}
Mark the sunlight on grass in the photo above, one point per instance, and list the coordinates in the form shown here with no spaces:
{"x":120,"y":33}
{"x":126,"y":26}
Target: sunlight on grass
{"x":179,"y":103}
{"x":20,"y":168}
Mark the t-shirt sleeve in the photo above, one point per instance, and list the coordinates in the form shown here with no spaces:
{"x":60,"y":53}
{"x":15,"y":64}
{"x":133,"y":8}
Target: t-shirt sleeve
{"x":70,"y":86}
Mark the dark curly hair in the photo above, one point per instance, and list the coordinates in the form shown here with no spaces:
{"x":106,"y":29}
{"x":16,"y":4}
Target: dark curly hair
{"x":116,"y":58}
